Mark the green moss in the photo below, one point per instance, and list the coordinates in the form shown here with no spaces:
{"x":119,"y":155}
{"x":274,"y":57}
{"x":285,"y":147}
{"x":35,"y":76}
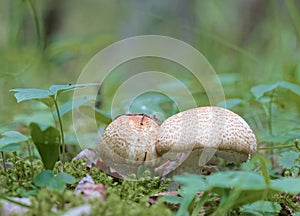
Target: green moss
{"x":19,"y":175}
{"x":128,"y":196}
{"x":100,"y":177}
{"x":53,"y":202}
{"x":288,"y":202}
{"x":117,"y":206}
{"x":136,"y":190}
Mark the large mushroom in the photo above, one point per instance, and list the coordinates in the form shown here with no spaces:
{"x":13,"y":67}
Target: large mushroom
{"x":191,"y":138}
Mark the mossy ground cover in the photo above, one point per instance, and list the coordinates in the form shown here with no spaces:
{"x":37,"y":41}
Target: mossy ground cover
{"x":122,"y":196}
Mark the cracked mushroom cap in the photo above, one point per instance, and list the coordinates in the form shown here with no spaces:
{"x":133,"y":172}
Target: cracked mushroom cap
{"x":207,"y":128}
{"x":129,"y":139}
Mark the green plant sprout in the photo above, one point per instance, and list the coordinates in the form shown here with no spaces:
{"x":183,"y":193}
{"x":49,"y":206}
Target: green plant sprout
{"x":50,"y":99}
{"x":265,"y":93}
{"x":260,"y":91}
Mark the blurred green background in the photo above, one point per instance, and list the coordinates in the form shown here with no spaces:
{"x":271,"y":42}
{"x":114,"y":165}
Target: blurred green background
{"x":247,"y":42}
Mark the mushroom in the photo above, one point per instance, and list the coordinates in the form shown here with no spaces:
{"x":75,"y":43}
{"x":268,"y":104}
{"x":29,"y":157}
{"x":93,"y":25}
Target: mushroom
{"x":188,"y":139}
{"x":199,"y":134}
{"x":128,"y":142}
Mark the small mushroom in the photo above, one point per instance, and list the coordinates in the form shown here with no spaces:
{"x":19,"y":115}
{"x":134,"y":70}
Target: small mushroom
{"x":205,"y":132}
{"x":129,"y":140}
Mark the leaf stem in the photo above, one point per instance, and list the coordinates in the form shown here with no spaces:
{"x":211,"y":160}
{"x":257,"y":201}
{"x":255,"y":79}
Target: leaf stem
{"x":63,"y":146}
{"x":277,"y":147}
{"x":30,"y":158}
{"x":270,"y":120}
{"x":228,"y":203}
{"x":3,"y":160}
{"x":2,"y":196}
{"x":200,"y":204}
{"x":270,"y":110}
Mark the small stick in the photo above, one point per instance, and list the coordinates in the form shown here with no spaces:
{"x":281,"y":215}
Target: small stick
{"x":145,"y":156}
{"x":142,"y":119}
{"x":3,"y":159}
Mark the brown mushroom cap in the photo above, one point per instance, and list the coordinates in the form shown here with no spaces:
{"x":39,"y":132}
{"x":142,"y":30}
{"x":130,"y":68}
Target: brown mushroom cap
{"x":207,"y":128}
{"x":129,"y":139}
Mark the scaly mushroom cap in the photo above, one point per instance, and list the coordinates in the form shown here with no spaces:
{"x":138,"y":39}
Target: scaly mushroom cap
{"x":207,"y":127}
{"x":129,"y":139}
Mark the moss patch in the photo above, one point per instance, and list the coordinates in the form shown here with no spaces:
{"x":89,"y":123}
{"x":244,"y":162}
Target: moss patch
{"x":121,"y":195}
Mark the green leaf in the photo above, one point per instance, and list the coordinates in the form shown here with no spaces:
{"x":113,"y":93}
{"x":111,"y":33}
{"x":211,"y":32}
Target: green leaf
{"x":47,"y":142}
{"x":66,"y":178}
{"x":148,"y":104}
{"x":184,"y":205}
{"x":287,"y":159}
{"x":48,"y":179}
{"x":248,"y":196}
{"x":43,"y":95}
{"x":290,"y":86}
{"x":242,"y":180}
{"x":145,"y":108}
{"x":261,"y":207}
{"x":153,"y":102}
{"x":23,"y":94}
{"x":10,"y":137}
{"x":191,"y":183}
{"x":10,"y":147}
{"x":26,"y":193}
{"x":259,"y":90}
{"x":58,"y":89}
{"x":230,"y":103}
{"x":237,"y":188}
{"x":43,"y":178}
{"x":56,"y":185}
{"x":287,"y":185}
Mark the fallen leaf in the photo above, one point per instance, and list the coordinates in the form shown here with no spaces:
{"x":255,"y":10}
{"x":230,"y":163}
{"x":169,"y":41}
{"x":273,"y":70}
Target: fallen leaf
{"x":153,"y":198}
{"x":90,"y":190}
